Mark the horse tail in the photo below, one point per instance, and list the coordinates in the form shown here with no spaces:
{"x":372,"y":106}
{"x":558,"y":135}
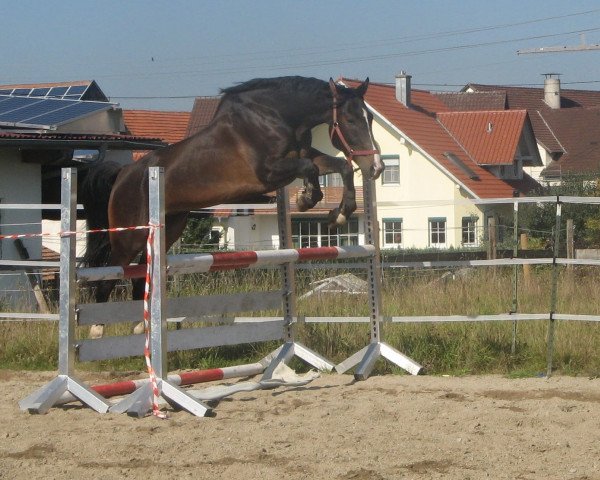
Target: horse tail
{"x":95,"y":195}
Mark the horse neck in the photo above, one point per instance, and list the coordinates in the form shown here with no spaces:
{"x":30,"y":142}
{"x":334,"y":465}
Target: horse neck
{"x":305,"y":110}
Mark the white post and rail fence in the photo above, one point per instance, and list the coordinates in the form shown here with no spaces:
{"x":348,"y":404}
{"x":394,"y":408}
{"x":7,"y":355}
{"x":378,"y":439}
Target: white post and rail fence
{"x":229,"y":329}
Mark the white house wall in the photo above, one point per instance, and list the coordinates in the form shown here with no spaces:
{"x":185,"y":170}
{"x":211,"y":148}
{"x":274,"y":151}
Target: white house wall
{"x":103,"y":122}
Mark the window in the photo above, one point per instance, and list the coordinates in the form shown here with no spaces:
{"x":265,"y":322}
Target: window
{"x":315,"y":233}
{"x":437,"y":232}
{"x":392,"y":232}
{"x":469,"y":230}
{"x":331,"y":180}
{"x":391,"y":174}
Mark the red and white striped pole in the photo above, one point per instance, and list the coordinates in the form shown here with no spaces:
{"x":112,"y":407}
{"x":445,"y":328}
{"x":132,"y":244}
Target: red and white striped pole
{"x":211,"y":262}
{"x":126,"y":387}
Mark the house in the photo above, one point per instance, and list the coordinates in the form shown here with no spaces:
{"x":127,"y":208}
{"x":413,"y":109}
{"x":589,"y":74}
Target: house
{"x":566,"y":123}
{"x":437,"y":157}
{"x":44,"y":127}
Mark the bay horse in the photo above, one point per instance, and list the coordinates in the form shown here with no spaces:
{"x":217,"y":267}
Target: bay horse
{"x":258,"y":141}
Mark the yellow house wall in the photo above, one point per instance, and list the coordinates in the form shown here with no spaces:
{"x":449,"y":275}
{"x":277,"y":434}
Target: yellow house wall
{"x":421,"y":181}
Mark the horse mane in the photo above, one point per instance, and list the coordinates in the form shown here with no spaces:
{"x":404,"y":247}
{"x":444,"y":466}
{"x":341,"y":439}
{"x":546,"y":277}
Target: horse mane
{"x":292,"y":84}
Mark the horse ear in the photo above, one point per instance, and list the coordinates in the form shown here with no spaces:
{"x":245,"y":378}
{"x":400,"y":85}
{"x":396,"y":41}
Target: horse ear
{"x":362,"y":88}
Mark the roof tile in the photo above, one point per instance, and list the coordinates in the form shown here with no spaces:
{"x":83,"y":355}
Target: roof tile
{"x":168,"y":126}
{"x":490,"y":138}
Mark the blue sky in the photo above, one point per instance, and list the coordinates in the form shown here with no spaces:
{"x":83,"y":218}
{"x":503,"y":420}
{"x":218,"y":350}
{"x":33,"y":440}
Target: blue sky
{"x":190,"y":48}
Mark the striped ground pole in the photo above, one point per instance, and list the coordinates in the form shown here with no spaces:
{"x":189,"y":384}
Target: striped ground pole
{"x":126,"y":387}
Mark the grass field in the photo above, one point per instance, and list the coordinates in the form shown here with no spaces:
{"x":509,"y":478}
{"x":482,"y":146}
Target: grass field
{"x":442,"y":348}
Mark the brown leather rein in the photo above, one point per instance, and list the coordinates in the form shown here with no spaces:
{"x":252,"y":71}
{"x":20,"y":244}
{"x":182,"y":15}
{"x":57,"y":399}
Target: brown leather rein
{"x":349,"y":152}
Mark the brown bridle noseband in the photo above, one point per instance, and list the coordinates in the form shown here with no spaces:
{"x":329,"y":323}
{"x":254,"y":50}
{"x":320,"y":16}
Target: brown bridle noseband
{"x":349,"y":152}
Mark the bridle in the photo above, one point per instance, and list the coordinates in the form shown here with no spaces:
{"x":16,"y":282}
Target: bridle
{"x":349,"y":152}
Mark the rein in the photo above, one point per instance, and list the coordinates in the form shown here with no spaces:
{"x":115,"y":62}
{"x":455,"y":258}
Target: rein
{"x":349,"y":152}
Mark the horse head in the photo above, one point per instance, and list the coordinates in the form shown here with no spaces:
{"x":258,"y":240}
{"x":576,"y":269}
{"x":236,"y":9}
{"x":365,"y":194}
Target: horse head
{"x":351,"y":129}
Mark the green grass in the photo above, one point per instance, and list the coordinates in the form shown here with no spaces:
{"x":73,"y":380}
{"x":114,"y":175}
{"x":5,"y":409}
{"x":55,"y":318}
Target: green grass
{"x":443,"y":348}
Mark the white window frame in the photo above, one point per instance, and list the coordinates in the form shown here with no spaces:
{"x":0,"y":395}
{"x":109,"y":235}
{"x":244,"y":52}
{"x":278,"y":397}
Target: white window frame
{"x":471,"y":229}
{"x":392,"y":169}
{"x":393,"y":232}
{"x":435,"y":230}
{"x":318,"y":234}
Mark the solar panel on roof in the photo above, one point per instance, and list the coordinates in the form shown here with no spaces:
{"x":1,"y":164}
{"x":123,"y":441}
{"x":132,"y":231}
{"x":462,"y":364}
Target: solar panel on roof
{"x":16,"y":113}
{"x":74,"y":92}
{"x":75,"y":110}
{"x":39,"y":92}
{"x":76,"y":89}
{"x":57,"y":91}
{"x":44,"y":112}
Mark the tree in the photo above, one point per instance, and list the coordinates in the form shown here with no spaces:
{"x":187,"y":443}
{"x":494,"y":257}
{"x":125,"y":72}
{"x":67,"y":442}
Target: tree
{"x":199,"y":233}
{"x":540,"y":219}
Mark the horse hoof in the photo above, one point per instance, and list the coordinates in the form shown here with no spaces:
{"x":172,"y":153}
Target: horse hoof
{"x":336,"y":219}
{"x":96,"y":331}
{"x":303,"y":203}
{"x":139,"y":328}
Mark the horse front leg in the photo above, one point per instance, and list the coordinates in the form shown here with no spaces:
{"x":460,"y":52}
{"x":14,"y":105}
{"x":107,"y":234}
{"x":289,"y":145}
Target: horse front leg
{"x":328,"y":164}
{"x":283,"y":171}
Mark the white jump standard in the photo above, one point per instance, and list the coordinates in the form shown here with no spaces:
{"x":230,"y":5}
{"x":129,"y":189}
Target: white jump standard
{"x":366,"y":357}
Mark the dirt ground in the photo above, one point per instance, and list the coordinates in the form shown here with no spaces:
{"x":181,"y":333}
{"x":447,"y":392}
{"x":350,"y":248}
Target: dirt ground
{"x":386,"y":427}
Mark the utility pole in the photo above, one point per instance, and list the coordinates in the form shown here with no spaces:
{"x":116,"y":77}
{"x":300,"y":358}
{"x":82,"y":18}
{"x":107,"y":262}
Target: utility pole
{"x":573,"y":48}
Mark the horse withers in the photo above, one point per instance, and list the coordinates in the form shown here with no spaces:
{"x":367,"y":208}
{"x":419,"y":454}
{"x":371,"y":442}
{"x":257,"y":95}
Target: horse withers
{"x":259,"y":140}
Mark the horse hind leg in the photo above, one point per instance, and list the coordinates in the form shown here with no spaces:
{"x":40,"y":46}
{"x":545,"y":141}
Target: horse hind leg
{"x":101,"y":294}
{"x":122,"y":253}
{"x":328,"y":164}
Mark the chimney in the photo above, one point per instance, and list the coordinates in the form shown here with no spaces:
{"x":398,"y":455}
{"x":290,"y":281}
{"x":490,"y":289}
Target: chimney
{"x":552,"y":90}
{"x":403,"y":88}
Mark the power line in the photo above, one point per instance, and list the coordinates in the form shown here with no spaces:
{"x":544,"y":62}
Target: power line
{"x":348,"y":60}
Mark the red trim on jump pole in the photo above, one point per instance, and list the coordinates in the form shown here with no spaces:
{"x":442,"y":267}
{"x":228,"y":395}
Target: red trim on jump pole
{"x":317,"y":253}
{"x":126,"y":387}
{"x":228,"y":261}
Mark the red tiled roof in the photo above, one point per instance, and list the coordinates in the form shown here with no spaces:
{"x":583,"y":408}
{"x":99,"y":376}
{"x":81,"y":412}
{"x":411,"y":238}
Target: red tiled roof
{"x":578,"y":130}
{"x":202,"y":113}
{"x":170,"y":127}
{"x":420,"y":125}
{"x":490,"y":138}
{"x":473,"y":101}
{"x":532,"y":99}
